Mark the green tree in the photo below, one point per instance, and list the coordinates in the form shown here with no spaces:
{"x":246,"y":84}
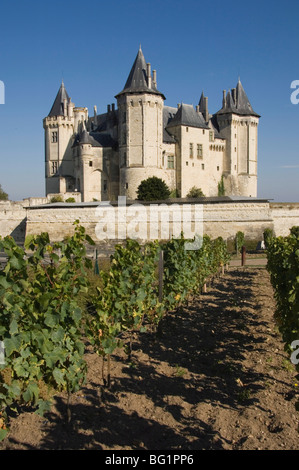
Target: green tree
{"x":221,"y":188}
{"x":195,"y":192}
{"x":3,"y":195}
{"x":268,"y":236}
{"x":239,"y":241}
{"x":153,"y":189}
{"x":56,"y":199}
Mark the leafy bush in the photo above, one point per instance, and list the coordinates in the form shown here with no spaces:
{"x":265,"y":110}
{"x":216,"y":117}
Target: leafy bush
{"x":295,"y":231}
{"x":41,"y":321}
{"x":283,"y":266}
{"x":3,"y":195}
{"x":221,"y":188}
{"x":268,"y":235}
{"x":153,"y":189}
{"x":239,"y":241}
{"x":70,"y":199}
{"x":56,"y":199}
{"x":195,"y":192}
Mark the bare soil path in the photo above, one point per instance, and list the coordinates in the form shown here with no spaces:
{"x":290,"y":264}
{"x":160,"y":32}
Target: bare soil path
{"x":218,"y":378}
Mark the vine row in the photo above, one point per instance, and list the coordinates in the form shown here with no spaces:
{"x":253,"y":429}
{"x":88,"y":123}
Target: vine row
{"x":44,"y":326}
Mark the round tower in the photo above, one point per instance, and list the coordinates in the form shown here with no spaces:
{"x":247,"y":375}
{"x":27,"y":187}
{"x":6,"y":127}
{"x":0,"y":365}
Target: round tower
{"x":140,"y":131}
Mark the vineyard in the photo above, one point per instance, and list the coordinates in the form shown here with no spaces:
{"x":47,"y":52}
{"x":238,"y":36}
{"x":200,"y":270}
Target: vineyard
{"x":283,"y":266}
{"x":161,"y":348}
{"x":48,"y":310}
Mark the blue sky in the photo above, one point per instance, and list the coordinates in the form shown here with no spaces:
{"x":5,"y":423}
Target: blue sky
{"x":194,"y":46}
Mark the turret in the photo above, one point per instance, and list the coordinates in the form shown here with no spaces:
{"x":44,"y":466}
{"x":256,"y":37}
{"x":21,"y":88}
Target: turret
{"x":238,"y":124}
{"x":59,"y":132}
{"x":140,"y":114}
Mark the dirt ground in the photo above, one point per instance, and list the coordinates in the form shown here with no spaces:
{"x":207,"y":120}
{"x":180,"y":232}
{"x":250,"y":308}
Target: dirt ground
{"x":218,"y":378}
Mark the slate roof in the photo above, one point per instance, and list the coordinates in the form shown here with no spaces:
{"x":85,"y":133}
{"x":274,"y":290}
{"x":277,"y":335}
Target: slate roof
{"x":168,"y":114}
{"x":239,"y":106}
{"x":96,"y":139}
{"x":58,"y":105}
{"x":186,"y":115}
{"x":214,"y":125}
{"x":137,"y":81}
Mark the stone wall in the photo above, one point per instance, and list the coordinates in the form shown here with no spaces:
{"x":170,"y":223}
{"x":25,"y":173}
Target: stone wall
{"x":107,"y":223}
{"x":13,"y":220}
{"x":285,"y":216}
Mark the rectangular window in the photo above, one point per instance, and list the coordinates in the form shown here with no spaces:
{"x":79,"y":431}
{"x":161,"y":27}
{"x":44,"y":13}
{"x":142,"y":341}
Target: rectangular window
{"x":211,"y":136}
{"x":170,"y":161}
{"x":125,"y":158}
{"x":90,"y":163}
{"x":217,"y":168}
{"x":199,"y":151}
{"x":124,"y":138}
{"x":105,"y":185}
{"x":191,"y":150}
{"x":54,"y":168}
{"x":54,"y":137}
{"x":202,"y":166}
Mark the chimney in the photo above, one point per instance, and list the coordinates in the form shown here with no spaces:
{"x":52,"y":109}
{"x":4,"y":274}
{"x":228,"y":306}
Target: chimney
{"x":206,"y":111}
{"x":70,"y":108}
{"x":234,"y":95}
{"x":197,"y":108}
{"x":113,"y":106}
{"x":65,"y":107}
{"x":95,"y":118}
{"x":149,"y":78}
{"x":108,"y":108}
{"x":224,"y":99}
{"x":155,"y":78}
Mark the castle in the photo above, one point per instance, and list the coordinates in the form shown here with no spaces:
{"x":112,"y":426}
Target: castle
{"x":103,"y":156}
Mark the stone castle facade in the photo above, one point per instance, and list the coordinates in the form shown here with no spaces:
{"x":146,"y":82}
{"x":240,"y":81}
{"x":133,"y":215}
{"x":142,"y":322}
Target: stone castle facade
{"x":103,"y":156}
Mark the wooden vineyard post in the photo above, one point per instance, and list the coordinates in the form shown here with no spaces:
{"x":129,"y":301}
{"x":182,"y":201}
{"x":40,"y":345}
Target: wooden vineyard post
{"x":243,"y":255}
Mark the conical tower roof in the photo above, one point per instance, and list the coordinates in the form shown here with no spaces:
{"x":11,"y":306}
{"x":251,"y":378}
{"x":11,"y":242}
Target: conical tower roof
{"x":240,"y":105}
{"x":242,"y":102}
{"x":138,"y":79}
{"x":201,"y":103}
{"x":58,"y":105}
